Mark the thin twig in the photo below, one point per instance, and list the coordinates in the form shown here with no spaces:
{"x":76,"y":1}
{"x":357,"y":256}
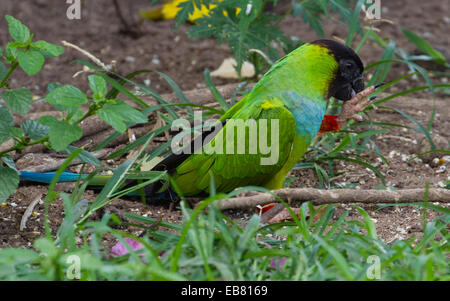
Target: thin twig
{"x":88,"y":54}
{"x":29,"y":211}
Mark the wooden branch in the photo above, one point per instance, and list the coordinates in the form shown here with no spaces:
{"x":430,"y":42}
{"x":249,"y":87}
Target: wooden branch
{"x":319,"y":197}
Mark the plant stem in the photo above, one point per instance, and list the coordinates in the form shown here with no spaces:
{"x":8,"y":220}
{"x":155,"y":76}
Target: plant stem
{"x":16,"y":147}
{"x":12,"y":67}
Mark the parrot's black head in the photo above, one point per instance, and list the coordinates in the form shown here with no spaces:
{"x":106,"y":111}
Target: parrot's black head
{"x":349,"y":77}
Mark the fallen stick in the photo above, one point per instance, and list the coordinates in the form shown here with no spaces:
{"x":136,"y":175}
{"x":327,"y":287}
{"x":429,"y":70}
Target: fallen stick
{"x":345,"y":196}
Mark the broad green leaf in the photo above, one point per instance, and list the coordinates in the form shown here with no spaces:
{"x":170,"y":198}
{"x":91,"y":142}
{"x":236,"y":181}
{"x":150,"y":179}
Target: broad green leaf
{"x":112,"y":117}
{"x":98,"y":86}
{"x":16,"y":132}
{"x":73,"y":114}
{"x":19,"y":100}
{"x":48,"y":49}
{"x":31,"y":61}
{"x":34,"y":129}
{"x":61,"y":133}
{"x":11,"y":52}
{"x":18,"y":31}
{"x":9,"y":179}
{"x":116,"y":114}
{"x":9,"y":162}
{"x":424,"y":46}
{"x":129,"y":113}
{"x":84,"y":156}
{"x":53,"y":86}
{"x":68,"y":96}
{"x":6,"y":122}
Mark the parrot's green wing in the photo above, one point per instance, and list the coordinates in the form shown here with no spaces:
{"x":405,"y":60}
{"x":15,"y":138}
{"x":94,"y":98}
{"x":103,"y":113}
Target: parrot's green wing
{"x":246,"y":161}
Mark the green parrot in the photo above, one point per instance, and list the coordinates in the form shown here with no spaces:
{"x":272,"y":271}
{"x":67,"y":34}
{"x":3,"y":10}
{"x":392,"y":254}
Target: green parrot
{"x":294,"y":92}
{"x":292,"y":98}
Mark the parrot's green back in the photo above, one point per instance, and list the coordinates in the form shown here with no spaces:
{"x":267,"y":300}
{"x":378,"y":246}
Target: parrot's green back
{"x":293,"y":93}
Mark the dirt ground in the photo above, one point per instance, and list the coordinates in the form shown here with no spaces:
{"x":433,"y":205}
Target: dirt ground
{"x":184,"y":60}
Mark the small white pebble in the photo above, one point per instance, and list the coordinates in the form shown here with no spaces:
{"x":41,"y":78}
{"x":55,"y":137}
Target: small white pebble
{"x":130,"y":59}
{"x":417,"y":160}
{"x":155,"y":60}
{"x":441,"y":169}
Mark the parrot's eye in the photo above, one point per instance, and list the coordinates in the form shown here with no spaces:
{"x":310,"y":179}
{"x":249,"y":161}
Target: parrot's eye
{"x":349,"y":66}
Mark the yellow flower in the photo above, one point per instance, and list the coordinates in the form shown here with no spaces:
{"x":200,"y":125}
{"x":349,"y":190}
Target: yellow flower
{"x":170,"y":9}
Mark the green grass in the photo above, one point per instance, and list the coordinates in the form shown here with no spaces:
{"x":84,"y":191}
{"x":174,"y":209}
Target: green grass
{"x":209,"y":246}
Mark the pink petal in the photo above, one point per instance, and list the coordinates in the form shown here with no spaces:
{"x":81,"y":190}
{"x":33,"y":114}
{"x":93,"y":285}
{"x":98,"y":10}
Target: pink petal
{"x":119,"y":249}
{"x":278,"y":263}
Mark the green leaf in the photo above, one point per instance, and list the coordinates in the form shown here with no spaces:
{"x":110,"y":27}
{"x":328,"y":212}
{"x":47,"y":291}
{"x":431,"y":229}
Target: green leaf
{"x":34,"y":129}
{"x":46,"y":246}
{"x":18,"y":31}
{"x":31,"y":61}
{"x":353,"y":23}
{"x":11,"y":52}
{"x":424,"y":46}
{"x":116,"y":114}
{"x":112,"y":117}
{"x":53,"y":86}
{"x":67,"y":95}
{"x":84,"y":156}
{"x":61,"y":133}
{"x":308,"y":16}
{"x":19,"y":100}
{"x":48,"y":49}
{"x":9,"y":162}
{"x":369,"y":224}
{"x":187,"y":8}
{"x":6,"y":122}
{"x":9,"y":180}
{"x":16,"y":132}
{"x":98,"y":86}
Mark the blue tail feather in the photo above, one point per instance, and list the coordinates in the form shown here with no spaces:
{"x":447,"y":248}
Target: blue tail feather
{"x":46,"y":177}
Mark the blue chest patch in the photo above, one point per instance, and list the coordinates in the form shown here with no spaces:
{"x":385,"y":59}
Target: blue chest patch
{"x":308,"y":114}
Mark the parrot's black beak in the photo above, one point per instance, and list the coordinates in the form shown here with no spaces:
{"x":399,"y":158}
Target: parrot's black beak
{"x":348,"y":90}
